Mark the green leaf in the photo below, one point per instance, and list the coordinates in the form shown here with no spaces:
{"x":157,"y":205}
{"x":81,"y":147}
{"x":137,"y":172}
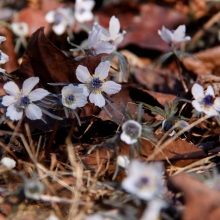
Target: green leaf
{"x":163,"y":58}
{"x":123,"y":64}
{"x":181,"y":54}
{"x":167,"y":108}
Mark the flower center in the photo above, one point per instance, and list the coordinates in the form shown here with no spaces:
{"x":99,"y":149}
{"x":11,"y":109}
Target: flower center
{"x":208,"y":100}
{"x":143,"y":182}
{"x":23,"y":102}
{"x":167,"y":125}
{"x":81,"y":10}
{"x":132,"y":130}
{"x":58,"y":18}
{"x":70,"y":99}
{"x":96,"y":83}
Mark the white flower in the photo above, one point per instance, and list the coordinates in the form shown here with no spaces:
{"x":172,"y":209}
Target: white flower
{"x":61,"y":19}
{"x":131,"y":131}
{"x":3,"y":58}
{"x":207,"y":102}
{"x":20,"y":29}
{"x":73,"y":97}
{"x":8,"y":162}
{"x":153,"y":209}
{"x":83,"y":10}
{"x":2,"y":39}
{"x":112,"y":35}
{"x":22,"y":100}
{"x":174,"y":37}
{"x":96,"y":83}
{"x":95,"y":44}
{"x":122,"y":161}
{"x":144,"y":180}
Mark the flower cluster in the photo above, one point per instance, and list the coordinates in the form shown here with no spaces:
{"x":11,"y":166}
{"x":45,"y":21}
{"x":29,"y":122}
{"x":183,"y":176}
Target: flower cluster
{"x":103,"y":40}
{"x":62,"y":19}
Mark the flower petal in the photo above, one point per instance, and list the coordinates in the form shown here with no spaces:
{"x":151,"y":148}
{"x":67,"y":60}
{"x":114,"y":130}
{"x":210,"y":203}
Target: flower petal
{"x":94,"y":35}
{"x":3,"y":57}
{"x":85,"y":89}
{"x":97,"y":99}
{"x":59,"y":28}
{"x":211,"y":112}
{"x":13,"y":113}
{"x":114,"y":27}
{"x":82,"y":73}
{"x":85,"y":16}
{"x":38,"y":94}
{"x":111,"y":87}
{"x":166,"y":35}
{"x":197,"y":91}
{"x":217,"y":104}
{"x":179,"y":34}
{"x":33,"y":112}
{"x":197,"y":106}
{"x":103,"y":69}
{"x":210,"y":91}
{"x":127,"y":139}
{"x":29,"y":84}
{"x":11,"y":88}
{"x":2,"y":39}
{"x":8,"y":100}
{"x":50,"y":16}
{"x":104,"y":47}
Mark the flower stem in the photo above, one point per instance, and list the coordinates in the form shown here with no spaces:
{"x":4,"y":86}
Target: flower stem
{"x":49,"y":145}
{"x":180,"y":73}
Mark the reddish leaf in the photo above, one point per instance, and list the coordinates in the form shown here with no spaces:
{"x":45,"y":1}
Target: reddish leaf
{"x":201,"y":202}
{"x":208,"y":63}
{"x":142,"y":22}
{"x":44,"y":60}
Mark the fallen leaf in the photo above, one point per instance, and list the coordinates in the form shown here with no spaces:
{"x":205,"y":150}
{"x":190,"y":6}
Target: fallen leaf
{"x":201,"y":202}
{"x":141,"y":23}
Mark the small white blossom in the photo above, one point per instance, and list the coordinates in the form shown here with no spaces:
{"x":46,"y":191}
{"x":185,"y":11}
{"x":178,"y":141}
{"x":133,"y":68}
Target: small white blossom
{"x":152,"y":212}
{"x":22,"y":100}
{"x":3,"y":58}
{"x":2,"y":39}
{"x":144,"y":180}
{"x":83,"y":10}
{"x":122,"y":161}
{"x":95,"y":84}
{"x":20,"y":29}
{"x":113,"y":34}
{"x":131,"y":131}
{"x":174,"y":37}
{"x":96,"y":45}
{"x":73,"y":97}
{"x":61,"y":19}
{"x":207,"y":102}
{"x":8,"y":162}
